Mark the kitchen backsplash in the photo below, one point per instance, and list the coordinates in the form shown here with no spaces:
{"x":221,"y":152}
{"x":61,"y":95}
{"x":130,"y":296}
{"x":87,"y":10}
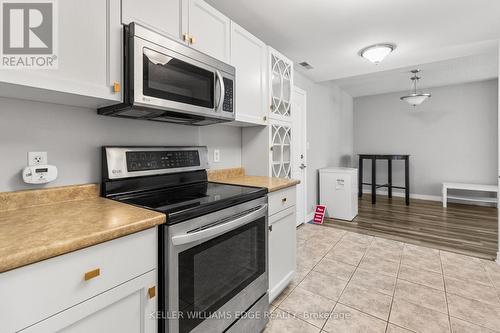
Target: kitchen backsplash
{"x":73,"y":136}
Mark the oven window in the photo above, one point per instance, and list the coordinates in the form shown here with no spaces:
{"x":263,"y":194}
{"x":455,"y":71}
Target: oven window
{"x":175,"y":80}
{"x":213,"y":272}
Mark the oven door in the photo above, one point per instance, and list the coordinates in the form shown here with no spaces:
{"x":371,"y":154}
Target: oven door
{"x":217,"y":268}
{"x":171,"y":79}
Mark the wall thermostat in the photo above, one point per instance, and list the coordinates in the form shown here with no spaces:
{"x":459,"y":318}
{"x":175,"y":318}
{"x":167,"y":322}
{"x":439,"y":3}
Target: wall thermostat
{"x":39,"y":174}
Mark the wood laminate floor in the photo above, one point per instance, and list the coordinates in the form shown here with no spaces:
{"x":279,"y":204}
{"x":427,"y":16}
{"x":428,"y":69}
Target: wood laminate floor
{"x":466,"y":229}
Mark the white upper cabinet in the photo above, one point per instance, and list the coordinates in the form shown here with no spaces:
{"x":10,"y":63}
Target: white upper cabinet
{"x":281,"y":150}
{"x":280,"y":86}
{"x":88,"y":36}
{"x":249,"y":57}
{"x":209,"y":30}
{"x":192,"y":21}
{"x":164,"y":16}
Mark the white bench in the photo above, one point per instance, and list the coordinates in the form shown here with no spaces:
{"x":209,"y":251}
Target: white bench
{"x":469,"y":187}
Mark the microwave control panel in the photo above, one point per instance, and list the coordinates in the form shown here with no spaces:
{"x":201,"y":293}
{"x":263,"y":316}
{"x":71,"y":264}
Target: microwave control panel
{"x":227,"y":105}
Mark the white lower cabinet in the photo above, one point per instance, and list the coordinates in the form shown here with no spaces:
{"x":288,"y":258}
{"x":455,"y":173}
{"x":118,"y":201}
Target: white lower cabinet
{"x":282,"y":240}
{"x":109,"y":287}
{"x":127,"y":308}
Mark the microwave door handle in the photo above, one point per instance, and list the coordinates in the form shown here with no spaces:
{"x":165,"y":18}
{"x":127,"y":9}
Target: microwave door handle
{"x":218,"y":107}
{"x":218,"y":229}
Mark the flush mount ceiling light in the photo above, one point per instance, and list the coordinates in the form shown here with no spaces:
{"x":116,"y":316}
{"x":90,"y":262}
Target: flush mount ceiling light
{"x":414,"y":98}
{"x":376,"y":53}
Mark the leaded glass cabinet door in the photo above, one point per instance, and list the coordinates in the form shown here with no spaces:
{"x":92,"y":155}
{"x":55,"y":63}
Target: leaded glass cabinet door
{"x":280,"y":86}
{"x":281,"y":150}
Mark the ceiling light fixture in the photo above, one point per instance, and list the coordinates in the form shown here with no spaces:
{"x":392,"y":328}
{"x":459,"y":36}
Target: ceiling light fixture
{"x":376,"y":53}
{"x":414,"y":98}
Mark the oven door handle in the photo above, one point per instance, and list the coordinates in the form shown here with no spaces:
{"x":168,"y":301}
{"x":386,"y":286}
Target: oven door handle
{"x":218,"y":229}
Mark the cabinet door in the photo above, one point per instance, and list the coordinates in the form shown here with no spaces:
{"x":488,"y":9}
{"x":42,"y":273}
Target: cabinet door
{"x":281,"y":150}
{"x":164,"y":16}
{"x":127,"y":308}
{"x":88,"y":54}
{"x":282,"y":247}
{"x":249,"y":57}
{"x":209,"y":29}
{"x":280,"y":86}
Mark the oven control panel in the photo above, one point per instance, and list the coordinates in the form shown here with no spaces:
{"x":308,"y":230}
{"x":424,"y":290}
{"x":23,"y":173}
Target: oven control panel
{"x":154,"y":160}
{"x":125,"y":162}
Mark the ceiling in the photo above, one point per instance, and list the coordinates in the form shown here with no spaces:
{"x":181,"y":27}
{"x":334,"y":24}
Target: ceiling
{"x":329,"y":33}
{"x":435,"y":74}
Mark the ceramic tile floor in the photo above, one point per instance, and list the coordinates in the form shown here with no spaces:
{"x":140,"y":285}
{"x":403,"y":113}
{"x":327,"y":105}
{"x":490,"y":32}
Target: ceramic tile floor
{"x":348,"y":282}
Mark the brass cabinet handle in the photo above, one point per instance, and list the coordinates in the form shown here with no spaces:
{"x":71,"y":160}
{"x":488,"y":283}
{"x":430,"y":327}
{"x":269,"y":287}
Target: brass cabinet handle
{"x":185,"y":37}
{"x":92,"y":274}
{"x":192,"y":39}
{"x":152,"y":292}
{"x":283,"y":200}
{"x":117,"y":87}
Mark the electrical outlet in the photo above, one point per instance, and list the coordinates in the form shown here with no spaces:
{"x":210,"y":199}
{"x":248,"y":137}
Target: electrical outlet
{"x":216,"y":155}
{"x":37,"y":158}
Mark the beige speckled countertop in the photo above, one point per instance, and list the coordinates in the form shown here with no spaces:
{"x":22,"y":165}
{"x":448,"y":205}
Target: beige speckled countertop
{"x":74,"y":218}
{"x":236,"y":176}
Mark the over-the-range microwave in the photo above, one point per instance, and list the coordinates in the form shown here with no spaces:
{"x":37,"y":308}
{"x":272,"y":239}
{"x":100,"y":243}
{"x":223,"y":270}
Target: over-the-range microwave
{"x":165,"y":80}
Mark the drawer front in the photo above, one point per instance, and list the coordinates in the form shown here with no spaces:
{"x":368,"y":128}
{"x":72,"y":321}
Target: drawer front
{"x":127,"y":308}
{"x":281,"y":200}
{"x":35,"y":292}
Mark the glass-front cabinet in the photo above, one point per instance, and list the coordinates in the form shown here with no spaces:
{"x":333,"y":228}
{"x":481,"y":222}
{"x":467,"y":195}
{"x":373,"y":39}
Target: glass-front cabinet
{"x":281,"y":150}
{"x":280,"y":86}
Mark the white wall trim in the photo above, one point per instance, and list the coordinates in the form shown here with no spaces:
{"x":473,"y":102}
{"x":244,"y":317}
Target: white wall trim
{"x":400,"y":193}
{"x":396,"y":193}
{"x":309,"y":217}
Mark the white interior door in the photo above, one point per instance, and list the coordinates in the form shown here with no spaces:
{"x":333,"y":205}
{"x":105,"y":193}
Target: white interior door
{"x":299,"y":151}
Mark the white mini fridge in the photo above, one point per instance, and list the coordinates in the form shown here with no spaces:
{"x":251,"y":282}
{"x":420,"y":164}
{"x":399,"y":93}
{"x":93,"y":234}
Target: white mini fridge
{"x":339,"y":192}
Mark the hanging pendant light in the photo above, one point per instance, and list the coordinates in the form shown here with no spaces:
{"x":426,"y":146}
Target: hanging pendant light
{"x":415,"y":98}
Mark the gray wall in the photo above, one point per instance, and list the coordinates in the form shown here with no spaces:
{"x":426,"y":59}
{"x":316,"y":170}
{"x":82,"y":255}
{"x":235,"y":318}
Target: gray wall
{"x":452,"y":137}
{"x":72,"y":136}
{"x":329,"y":130}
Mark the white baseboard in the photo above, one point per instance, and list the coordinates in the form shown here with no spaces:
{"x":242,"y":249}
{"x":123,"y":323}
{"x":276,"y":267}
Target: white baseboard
{"x":401,"y":193}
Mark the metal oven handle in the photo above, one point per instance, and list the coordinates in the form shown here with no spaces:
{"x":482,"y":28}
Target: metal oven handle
{"x":222,"y":91}
{"x":217,"y":229}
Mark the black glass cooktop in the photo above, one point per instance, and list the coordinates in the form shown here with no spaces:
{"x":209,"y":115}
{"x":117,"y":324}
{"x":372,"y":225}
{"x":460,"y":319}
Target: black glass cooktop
{"x":188,"y":201}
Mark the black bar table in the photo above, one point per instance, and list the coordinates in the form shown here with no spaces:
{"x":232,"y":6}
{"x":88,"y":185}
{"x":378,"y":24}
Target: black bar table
{"x":389,"y":158}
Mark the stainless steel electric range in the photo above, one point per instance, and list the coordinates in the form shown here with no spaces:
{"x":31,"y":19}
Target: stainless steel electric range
{"x":213,"y":274}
